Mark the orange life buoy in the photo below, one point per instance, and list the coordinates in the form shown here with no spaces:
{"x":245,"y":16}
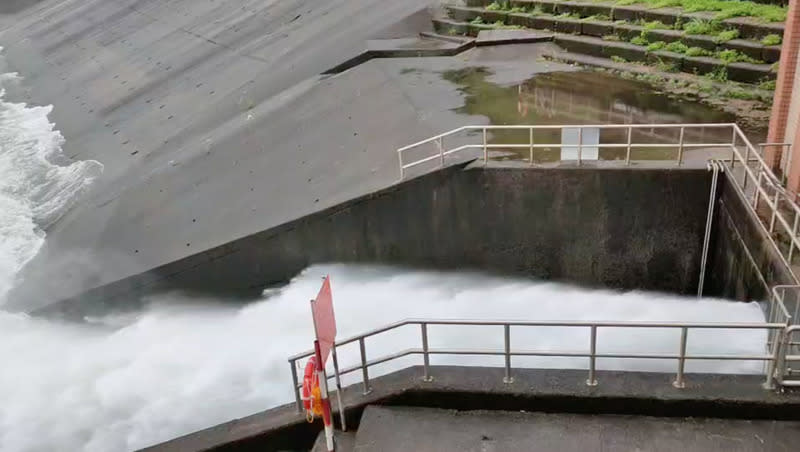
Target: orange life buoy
{"x":312,"y":397}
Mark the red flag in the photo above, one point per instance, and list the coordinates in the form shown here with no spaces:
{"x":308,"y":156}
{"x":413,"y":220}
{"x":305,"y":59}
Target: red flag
{"x":324,"y":320}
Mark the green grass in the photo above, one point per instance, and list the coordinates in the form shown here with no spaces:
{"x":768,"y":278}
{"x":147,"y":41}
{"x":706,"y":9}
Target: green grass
{"x":653,"y":25}
{"x":724,"y":9}
{"x":665,"y":66}
{"x":452,"y":31}
{"x":518,"y":9}
{"x":771,"y":40}
{"x":477,"y":21}
{"x":697,"y":51}
{"x":612,"y":38}
{"x":640,"y":40}
{"x":719,"y":74}
{"x":726,"y":35}
{"x":701,"y":27}
{"x":618,"y":59}
{"x":495,"y":6}
{"x":767,"y":85}
{"x":658,"y":45}
{"x":734,"y":56}
{"x":677,"y":47}
{"x":568,"y":16}
{"x":741,"y":93}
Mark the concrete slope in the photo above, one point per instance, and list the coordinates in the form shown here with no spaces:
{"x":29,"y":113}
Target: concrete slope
{"x":389,"y":429}
{"x":185,"y":103}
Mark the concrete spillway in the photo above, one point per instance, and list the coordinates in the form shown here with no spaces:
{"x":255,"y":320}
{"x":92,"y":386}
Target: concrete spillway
{"x":184,"y":103}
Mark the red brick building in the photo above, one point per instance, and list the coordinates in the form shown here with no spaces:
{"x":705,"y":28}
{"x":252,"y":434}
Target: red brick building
{"x":783,"y":127}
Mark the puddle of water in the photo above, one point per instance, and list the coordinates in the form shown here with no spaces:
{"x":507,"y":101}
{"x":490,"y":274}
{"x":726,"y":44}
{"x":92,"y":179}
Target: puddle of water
{"x":583,"y":98}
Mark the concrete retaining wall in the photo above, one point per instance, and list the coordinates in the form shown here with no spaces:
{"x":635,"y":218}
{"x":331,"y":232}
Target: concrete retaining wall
{"x":615,"y":228}
{"x":738,"y":271}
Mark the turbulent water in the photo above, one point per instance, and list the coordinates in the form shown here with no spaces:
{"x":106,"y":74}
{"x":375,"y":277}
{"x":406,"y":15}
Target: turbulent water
{"x":178,"y":366}
{"x":121,"y":383}
{"x":36,"y":186}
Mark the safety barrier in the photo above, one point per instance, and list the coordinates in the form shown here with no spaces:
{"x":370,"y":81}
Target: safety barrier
{"x":774,"y":356}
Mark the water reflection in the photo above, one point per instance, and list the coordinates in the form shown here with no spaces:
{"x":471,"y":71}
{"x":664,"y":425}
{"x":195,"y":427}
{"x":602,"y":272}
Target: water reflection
{"x":584,"y":98}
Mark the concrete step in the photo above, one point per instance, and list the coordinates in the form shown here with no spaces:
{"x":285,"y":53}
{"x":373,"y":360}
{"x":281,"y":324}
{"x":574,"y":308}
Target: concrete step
{"x":343,"y":441}
{"x":748,"y":27}
{"x":591,"y":25}
{"x":396,"y":429}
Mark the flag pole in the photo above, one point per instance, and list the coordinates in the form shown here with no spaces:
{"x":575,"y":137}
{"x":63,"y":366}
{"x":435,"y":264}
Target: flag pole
{"x":326,"y":404}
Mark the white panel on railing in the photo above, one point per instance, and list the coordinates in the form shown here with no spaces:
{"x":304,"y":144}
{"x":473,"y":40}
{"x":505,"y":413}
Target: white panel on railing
{"x":589,"y":137}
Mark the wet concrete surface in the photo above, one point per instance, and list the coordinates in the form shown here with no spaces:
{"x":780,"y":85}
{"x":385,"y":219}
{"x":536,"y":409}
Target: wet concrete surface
{"x":212,"y":121}
{"x":388,"y":429}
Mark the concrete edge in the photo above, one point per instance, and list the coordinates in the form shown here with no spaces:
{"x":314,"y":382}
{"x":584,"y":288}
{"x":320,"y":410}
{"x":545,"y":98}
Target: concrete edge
{"x":543,"y":390}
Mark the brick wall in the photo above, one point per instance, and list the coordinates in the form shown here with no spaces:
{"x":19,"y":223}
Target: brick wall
{"x":782,"y":101}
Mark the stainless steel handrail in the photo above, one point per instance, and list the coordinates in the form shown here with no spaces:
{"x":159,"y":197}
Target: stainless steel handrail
{"x":772,"y":357}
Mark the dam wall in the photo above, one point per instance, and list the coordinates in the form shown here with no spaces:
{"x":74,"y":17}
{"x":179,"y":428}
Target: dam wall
{"x":613,"y":228}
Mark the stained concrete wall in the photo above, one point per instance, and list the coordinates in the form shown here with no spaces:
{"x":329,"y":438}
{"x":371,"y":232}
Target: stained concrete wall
{"x":615,"y":228}
{"x":743,"y":262}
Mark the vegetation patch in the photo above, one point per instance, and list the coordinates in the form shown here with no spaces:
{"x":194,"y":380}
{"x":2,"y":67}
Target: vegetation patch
{"x":677,"y":47}
{"x":771,"y":40}
{"x":734,"y":56}
{"x":724,"y":9}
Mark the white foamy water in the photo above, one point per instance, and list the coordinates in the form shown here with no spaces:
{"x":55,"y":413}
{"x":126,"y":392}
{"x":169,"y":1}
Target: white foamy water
{"x":180,"y":365}
{"x":37,"y":185}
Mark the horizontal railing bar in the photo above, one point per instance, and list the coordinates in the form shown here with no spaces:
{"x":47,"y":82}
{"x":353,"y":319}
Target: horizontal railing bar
{"x":551,"y":127}
{"x":568,"y":354}
{"x":597,"y":126}
{"x":595,"y":145}
{"x":444,"y":322}
{"x":432,"y":139}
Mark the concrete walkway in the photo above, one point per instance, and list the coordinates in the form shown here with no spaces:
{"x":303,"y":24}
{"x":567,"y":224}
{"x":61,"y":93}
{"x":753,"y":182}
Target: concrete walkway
{"x":390,"y":429}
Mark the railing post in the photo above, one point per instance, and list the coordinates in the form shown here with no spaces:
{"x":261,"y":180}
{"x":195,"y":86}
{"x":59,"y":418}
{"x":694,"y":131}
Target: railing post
{"x":592,"y":381}
{"x":580,"y":144}
{"x":531,"y":143}
{"x":338,"y":388}
{"x":757,"y":190}
{"x":507,"y":329}
{"x":628,"y":152}
{"x":794,"y":236}
{"x":746,"y":165}
{"x":440,"y":144}
{"x":680,"y":147}
{"x":679,"y":383}
{"x":485,"y":149}
{"x":777,"y":346}
{"x":425,"y":357}
{"x":364,"y":370}
{"x":297,"y":401}
{"x":774,"y":211}
{"x":400,"y":159}
{"x":709,"y":222}
{"x":733,"y":149}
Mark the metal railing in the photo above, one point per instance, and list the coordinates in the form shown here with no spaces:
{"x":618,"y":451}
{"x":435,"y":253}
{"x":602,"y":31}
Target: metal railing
{"x":771,"y":203}
{"x":772,"y":357}
{"x":681,"y":143}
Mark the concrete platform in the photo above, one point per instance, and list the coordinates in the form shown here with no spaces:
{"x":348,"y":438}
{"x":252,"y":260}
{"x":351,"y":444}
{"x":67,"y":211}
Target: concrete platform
{"x":541,"y":390}
{"x":396,"y":429}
